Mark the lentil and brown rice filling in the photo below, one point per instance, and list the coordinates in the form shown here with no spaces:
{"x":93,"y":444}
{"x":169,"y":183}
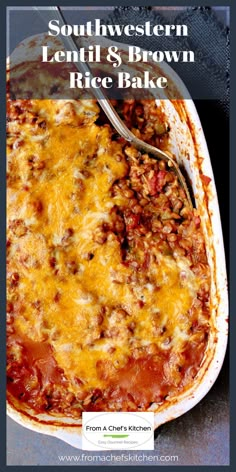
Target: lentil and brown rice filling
{"x":108,"y":279}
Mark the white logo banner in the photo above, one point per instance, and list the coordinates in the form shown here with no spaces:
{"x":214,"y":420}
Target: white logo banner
{"x":117,"y":431}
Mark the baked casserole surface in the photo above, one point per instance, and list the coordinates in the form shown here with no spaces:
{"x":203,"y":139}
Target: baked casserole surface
{"x":108,"y":302}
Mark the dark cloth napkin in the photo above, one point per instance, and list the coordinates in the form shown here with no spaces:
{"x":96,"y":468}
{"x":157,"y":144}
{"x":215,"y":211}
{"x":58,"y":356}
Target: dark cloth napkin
{"x":208,"y":77}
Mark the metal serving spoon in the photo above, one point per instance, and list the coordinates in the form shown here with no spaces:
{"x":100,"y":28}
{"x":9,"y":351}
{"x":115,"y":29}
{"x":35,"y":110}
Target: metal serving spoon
{"x":107,"y":107}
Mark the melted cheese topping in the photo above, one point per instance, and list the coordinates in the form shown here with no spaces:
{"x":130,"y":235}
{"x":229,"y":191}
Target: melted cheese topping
{"x":73,"y":291}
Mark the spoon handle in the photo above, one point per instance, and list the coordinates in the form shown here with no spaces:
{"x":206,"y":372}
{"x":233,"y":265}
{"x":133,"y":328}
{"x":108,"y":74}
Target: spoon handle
{"x":83,"y":67}
{"x":106,"y":105}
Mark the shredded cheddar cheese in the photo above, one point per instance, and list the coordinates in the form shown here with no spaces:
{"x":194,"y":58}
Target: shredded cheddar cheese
{"x":89,"y":275}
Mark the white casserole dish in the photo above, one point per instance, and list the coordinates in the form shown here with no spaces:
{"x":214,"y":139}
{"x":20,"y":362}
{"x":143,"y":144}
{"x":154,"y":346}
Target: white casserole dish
{"x":188,"y":144}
